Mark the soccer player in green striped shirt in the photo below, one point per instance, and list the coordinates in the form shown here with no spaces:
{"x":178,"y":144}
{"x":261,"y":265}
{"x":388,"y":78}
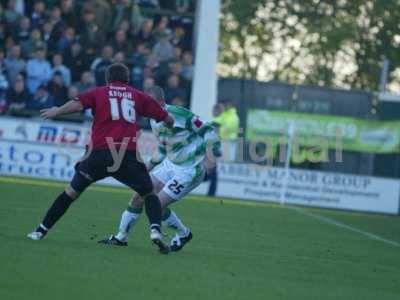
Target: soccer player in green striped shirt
{"x":185,"y":153}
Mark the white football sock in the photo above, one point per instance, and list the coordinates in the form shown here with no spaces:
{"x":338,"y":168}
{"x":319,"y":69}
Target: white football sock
{"x":128,"y":220}
{"x":172,"y":221}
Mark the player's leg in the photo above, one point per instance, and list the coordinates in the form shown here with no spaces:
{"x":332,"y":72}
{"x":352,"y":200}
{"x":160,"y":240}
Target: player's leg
{"x":132,"y":214}
{"x":133,"y":173}
{"x":159,"y":176}
{"x":60,"y":205}
{"x":183,"y":182}
{"x":130,"y":217}
{"x":178,"y":184}
{"x":86,"y":172}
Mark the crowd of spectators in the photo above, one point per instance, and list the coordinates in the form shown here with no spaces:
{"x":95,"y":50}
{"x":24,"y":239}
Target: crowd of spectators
{"x":50,"y":50}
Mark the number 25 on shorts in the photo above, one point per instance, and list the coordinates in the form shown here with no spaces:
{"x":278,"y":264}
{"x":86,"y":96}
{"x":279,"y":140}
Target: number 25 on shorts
{"x":175,"y":187}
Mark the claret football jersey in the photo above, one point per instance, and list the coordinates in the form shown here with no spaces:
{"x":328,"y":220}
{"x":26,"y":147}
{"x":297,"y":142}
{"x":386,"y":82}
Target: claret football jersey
{"x":116,"y":108}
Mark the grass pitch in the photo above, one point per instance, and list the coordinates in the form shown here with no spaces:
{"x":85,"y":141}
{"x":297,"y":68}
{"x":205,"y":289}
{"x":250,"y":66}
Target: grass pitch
{"x":240,"y":250}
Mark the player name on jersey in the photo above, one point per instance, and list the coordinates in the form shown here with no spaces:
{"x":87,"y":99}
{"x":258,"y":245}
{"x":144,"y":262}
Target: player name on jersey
{"x":116,"y":93}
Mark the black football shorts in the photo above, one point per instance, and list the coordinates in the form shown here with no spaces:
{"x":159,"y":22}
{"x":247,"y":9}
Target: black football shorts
{"x":95,"y":167}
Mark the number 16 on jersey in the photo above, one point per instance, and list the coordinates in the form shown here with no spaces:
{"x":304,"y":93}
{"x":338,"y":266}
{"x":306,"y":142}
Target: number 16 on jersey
{"x":127,"y":108}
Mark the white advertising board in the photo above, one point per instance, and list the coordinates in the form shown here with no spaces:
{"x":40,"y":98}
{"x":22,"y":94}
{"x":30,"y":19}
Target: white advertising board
{"x":312,"y":188}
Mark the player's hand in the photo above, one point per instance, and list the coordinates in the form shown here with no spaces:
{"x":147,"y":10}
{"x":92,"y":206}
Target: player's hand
{"x":49,"y":113}
{"x":169,"y":121}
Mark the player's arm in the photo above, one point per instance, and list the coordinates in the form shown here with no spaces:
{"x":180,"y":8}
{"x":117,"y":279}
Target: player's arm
{"x":68,"y":108}
{"x":204,"y":129}
{"x":158,"y":157}
{"x":150,"y":108}
{"x":213,"y":151}
{"x":83,"y":101}
{"x":208,"y":133}
{"x":158,"y":154}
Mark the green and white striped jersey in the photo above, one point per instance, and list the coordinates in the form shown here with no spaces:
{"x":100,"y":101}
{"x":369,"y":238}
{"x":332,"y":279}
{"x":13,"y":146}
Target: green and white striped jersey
{"x":186,"y":142}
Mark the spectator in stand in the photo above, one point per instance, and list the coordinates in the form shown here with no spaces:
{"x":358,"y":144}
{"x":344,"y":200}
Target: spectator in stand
{"x":174,"y":90}
{"x":59,"y":67}
{"x":38,"y":16}
{"x":58,"y":26}
{"x":22,"y":31}
{"x":148,"y":83}
{"x":176,"y":69}
{"x":100,"y":65}
{"x":187,"y":66}
{"x":126,"y":14}
{"x":35,"y":41}
{"x":178,"y":102}
{"x":102,"y":12}
{"x":2,"y":35}
{"x":86,"y":83}
{"x":90,"y":35}
{"x":162,"y":28}
{"x":145,"y":34}
{"x":9,"y":43}
{"x":73,"y":92}
{"x":176,"y":55}
{"x":154,"y":65}
{"x":138,"y":61}
{"x":138,"y":58}
{"x":41,"y":99}
{"x":38,"y":70}
{"x":47,"y":30}
{"x":3,"y":82}
{"x":124,"y":26}
{"x":163,"y":48}
{"x":178,"y":38}
{"x":69,"y":13}
{"x":76,"y":61}
{"x":136,"y":19}
{"x":137,"y":77}
{"x":11,"y":14}
{"x":120,"y":43}
{"x":57,"y":89}
{"x":119,"y":57}
{"x":65,"y":42}
{"x":18,"y":96}
{"x":2,"y":58}
{"x":14,"y":64}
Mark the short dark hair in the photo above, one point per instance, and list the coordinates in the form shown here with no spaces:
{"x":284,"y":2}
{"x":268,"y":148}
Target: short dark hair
{"x":226,"y":102}
{"x":117,"y":72}
{"x":156,"y":92}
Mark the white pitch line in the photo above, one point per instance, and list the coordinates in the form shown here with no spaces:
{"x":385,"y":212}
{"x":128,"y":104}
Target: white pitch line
{"x":345,"y":226}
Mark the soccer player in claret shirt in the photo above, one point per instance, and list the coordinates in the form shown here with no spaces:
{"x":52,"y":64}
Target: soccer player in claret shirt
{"x":116,"y":107}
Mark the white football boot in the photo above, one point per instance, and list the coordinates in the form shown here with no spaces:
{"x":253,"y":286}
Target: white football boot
{"x":158,"y":239}
{"x":35,"y":236}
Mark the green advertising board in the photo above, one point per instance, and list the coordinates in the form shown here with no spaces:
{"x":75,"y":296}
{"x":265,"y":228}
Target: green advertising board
{"x":335,"y":132}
